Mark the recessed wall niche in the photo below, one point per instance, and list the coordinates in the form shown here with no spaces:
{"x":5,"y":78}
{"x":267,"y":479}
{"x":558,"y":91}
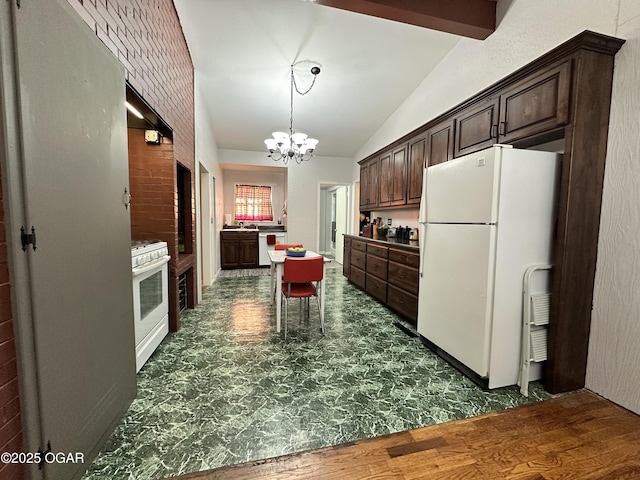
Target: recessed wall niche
{"x":185,"y":209}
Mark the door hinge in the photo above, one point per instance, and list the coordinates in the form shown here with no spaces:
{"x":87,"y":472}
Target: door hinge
{"x":28,"y":238}
{"x":43,"y":454}
{"x":126,"y":198}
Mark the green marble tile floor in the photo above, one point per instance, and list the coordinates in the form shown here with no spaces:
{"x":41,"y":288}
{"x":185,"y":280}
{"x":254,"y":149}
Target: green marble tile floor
{"x":228,"y":389}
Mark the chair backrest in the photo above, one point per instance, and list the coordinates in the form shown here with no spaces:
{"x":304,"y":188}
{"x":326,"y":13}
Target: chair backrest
{"x":303,"y":270}
{"x":284,"y":246}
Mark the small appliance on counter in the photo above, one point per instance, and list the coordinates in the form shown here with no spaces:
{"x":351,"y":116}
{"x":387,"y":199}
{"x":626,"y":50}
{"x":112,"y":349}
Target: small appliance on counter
{"x":402,"y":234}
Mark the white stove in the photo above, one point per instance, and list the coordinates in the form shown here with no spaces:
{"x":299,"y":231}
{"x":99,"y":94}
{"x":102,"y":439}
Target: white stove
{"x":150,"y":272}
{"x":147,"y":251}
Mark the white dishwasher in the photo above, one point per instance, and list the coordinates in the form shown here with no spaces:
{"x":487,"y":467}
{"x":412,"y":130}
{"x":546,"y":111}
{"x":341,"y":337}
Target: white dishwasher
{"x":263,"y":248}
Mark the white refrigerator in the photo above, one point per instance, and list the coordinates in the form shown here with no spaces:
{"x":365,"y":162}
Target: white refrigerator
{"x":484,"y":219}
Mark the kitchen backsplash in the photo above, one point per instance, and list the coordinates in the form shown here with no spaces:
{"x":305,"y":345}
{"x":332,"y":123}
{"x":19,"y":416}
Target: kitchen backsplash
{"x":405,"y":217}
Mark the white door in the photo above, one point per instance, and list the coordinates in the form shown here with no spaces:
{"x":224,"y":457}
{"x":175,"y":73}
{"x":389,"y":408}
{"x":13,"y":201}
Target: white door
{"x":456,"y":292}
{"x":341,"y":222}
{"x":332,"y":226}
{"x":72,"y":131}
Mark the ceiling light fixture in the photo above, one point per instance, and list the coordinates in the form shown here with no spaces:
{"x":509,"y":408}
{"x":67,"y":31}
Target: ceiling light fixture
{"x":133,"y":110}
{"x":293,"y":145}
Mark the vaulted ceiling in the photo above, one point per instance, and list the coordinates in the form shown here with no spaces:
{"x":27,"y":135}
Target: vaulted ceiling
{"x":371,"y":60}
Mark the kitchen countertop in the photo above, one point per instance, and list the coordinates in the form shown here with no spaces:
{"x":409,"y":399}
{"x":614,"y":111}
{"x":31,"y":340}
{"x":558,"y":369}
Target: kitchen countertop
{"x":391,"y":242}
{"x":274,"y":229}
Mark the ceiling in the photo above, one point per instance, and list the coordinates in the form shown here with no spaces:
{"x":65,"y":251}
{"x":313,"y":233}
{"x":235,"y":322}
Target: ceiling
{"x":242,"y":51}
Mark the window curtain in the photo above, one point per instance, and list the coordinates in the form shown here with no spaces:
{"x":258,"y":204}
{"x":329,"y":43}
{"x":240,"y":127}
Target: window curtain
{"x":253,"y":203}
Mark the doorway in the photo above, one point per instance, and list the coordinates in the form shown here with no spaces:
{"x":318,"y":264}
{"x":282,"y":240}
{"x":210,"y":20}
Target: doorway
{"x":333,"y":219}
{"x":207,"y":227}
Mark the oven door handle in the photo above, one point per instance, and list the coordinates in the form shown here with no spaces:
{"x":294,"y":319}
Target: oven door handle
{"x":140,"y":270}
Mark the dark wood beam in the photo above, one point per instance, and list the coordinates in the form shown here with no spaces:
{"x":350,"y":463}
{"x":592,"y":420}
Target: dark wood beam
{"x":468,"y":18}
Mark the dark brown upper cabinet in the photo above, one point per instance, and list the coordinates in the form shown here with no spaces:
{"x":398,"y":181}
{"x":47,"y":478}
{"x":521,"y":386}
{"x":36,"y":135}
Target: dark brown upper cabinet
{"x":476,"y":127}
{"x":385,"y":182}
{"x":536,"y":104}
{"x":533,"y":105}
{"x":399,"y":176}
{"x":393,"y":178}
{"x":416,"y":162}
{"x":369,"y":174}
{"x":440,"y":143}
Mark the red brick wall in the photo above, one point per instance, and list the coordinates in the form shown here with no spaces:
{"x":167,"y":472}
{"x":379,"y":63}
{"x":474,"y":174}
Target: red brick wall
{"x":146,"y":37}
{"x":10,"y":426}
{"x":152,"y":180}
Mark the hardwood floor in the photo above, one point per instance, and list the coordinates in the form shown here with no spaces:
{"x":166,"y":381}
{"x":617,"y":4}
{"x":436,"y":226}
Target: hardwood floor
{"x":577,"y":436}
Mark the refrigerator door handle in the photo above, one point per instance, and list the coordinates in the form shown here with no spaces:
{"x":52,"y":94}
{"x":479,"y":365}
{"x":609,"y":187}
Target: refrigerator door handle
{"x":421,"y":244}
{"x":422,"y":219}
{"x":423,"y":198}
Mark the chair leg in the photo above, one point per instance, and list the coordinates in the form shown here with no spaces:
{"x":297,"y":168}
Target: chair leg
{"x":286,"y":315}
{"x":320,"y":314}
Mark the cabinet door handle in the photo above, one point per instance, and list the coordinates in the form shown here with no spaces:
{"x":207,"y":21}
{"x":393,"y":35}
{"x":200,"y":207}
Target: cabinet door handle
{"x":494,"y":131}
{"x":503,"y":128}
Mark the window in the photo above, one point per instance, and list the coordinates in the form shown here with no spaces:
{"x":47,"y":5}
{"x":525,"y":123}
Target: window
{"x":253,"y":202}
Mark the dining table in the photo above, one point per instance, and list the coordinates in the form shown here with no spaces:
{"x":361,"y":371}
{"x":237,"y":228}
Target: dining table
{"x":277,"y":265}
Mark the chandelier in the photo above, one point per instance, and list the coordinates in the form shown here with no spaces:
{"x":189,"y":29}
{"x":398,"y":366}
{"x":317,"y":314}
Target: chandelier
{"x":293,"y":145}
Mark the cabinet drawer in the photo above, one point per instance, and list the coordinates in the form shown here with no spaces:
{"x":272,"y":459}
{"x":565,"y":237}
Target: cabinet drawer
{"x":376,"y":288}
{"x":358,"y":259}
{"x":359,"y":245}
{"x":377,"y":266}
{"x":378,"y":250}
{"x":404,"y":277}
{"x":406,"y":258}
{"x":403,"y":302}
{"x":357,"y":276}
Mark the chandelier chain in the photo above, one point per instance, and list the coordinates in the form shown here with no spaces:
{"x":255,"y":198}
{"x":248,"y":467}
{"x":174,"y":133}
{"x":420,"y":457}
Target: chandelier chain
{"x":283,"y":147}
{"x":293,"y":82}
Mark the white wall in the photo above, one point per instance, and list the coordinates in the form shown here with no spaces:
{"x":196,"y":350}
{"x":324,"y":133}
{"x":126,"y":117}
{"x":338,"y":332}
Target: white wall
{"x":276,"y":180}
{"x":303,"y":184}
{"x":206,"y":152}
{"x":401,"y":217}
{"x":613,"y":369}
{"x":526,"y":30}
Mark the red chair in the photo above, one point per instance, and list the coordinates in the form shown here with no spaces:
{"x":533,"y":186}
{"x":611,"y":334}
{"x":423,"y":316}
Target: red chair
{"x":281,"y":246}
{"x":298,"y":282}
{"x":284,"y":246}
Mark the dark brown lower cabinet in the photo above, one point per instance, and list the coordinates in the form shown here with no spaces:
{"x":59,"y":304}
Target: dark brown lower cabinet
{"x":386,"y":271}
{"x":238,"y":250}
{"x":357,"y":276}
{"x":376,"y":288}
{"x":346,"y":259}
{"x":403,"y":302}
